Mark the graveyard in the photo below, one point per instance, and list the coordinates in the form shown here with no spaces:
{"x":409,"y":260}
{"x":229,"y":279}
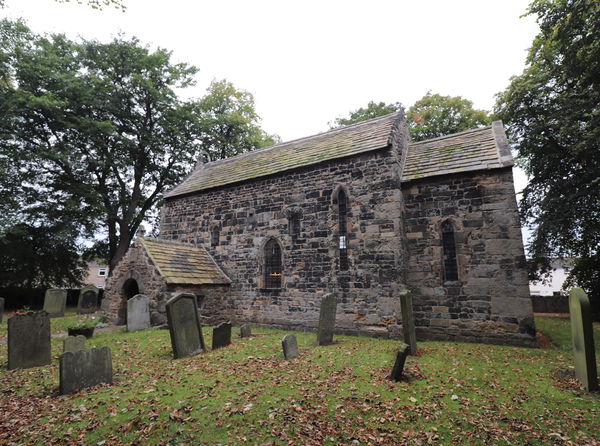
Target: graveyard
{"x":340,"y":393}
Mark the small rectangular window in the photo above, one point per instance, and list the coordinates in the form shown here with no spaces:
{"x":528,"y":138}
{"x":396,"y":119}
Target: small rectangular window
{"x":343,"y":242}
{"x":294,"y":225}
{"x":214,"y":237}
{"x":102,"y":272}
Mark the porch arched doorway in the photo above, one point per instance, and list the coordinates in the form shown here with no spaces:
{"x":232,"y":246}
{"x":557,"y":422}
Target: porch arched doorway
{"x":130,"y":288}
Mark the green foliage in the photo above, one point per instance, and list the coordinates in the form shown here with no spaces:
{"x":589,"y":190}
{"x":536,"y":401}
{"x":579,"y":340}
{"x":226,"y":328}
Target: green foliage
{"x":372,"y":110}
{"x":553,"y":115}
{"x":435,"y":115}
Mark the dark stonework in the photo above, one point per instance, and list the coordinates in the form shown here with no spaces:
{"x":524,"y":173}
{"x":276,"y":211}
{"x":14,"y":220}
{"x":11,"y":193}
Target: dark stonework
{"x":582,"y":334}
{"x":55,"y":302}
{"x":74,"y":343}
{"x":408,"y":322}
{"x":221,"y":335}
{"x":245,"y":331}
{"x":84,"y":368}
{"x":290,"y":346}
{"x":1,"y":308}
{"x":327,"y":319}
{"x":28,"y":340}
{"x":138,"y":313}
{"x":88,"y":299}
{"x":398,"y":368}
{"x":184,"y":325}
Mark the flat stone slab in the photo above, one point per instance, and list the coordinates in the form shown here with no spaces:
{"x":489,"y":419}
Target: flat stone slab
{"x":84,"y":368}
{"x":408,"y":321}
{"x":582,"y":335}
{"x":290,"y":346}
{"x":245,"y":331}
{"x":88,"y":299}
{"x":29,"y":340}
{"x":221,"y":335}
{"x":327,"y":319}
{"x":55,"y":302}
{"x":398,"y":368}
{"x":74,"y":343}
{"x":138,"y":313}
{"x":184,"y":325}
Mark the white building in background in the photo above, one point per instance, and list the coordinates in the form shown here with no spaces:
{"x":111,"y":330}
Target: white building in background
{"x":553,"y":284}
{"x":97,"y":274}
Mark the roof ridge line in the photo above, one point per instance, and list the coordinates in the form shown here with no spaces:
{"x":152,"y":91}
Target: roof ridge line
{"x":452,"y":135}
{"x":169,"y":242}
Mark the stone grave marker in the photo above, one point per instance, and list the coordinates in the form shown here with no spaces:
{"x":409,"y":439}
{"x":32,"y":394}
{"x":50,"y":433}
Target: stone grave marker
{"x":408,"y":321}
{"x":184,"y":325}
{"x":1,"y":308}
{"x":399,"y":363}
{"x":290,"y":346}
{"x":221,"y":335}
{"x":88,"y":299}
{"x":74,"y":343}
{"x":245,"y":331}
{"x":55,"y":302}
{"x":138,"y":313}
{"x":327,"y":319}
{"x":84,"y":368}
{"x":28,"y":340}
{"x":582,"y":335}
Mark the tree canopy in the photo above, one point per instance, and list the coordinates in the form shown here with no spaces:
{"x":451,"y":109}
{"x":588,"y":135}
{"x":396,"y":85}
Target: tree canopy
{"x":372,"y":110}
{"x":553,"y":115}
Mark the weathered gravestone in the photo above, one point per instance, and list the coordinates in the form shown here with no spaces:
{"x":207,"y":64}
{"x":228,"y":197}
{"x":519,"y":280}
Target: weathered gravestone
{"x":184,"y":325}
{"x":28,"y":340}
{"x":138,"y":313}
{"x":245,"y":331}
{"x":408,"y":321}
{"x":55,"y":302}
{"x":399,"y":363}
{"x":74,"y":343}
{"x":88,"y":299}
{"x":290,"y":346}
{"x":327,"y":319}
{"x":221,"y":335}
{"x":582,"y":334}
{"x":84,"y":368}
{"x":1,"y":308}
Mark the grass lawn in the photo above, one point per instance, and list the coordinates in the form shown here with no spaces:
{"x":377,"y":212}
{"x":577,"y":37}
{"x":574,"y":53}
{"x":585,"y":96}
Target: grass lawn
{"x":454,"y":393}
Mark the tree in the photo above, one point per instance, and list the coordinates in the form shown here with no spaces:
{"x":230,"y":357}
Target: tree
{"x":229,"y":122}
{"x":553,"y":115}
{"x":372,"y":110}
{"x":96,"y":4}
{"x":435,"y":115}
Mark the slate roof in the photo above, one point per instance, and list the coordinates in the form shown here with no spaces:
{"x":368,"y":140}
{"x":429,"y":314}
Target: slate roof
{"x":181,"y":263}
{"x":351,"y":140}
{"x":477,"y":149}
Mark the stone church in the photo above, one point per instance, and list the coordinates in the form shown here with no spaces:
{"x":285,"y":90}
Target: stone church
{"x":360,"y":211}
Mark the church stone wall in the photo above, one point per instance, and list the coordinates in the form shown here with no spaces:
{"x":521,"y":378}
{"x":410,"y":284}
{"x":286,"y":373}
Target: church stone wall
{"x":490,"y":302}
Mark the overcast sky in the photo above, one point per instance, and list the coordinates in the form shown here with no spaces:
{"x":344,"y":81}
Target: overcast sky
{"x":308,"y":62}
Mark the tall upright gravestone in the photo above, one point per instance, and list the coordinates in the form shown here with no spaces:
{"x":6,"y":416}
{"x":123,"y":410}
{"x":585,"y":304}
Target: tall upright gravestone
{"x":28,"y":340}
{"x":184,"y":325}
{"x":290,"y":346}
{"x":88,"y":299}
{"x":582,"y":335}
{"x":55,"y":302}
{"x":221,"y":335}
{"x":138,"y":313}
{"x":327,"y":319}
{"x":84,"y":368}
{"x":408,"y":321}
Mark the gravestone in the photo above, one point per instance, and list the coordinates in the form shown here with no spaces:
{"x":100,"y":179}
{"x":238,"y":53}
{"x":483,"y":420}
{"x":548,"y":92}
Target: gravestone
{"x":28,"y":340}
{"x":138,"y":313}
{"x":74,"y":343}
{"x":84,"y":368}
{"x":88,"y":299}
{"x":399,"y":363}
{"x":290,"y":346}
{"x":245,"y":331}
{"x":184,"y":325}
{"x":327,"y":319}
{"x":1,"y":308}
{"x":221,"y":335}
{"x":582,"y":335}
{"x":408,"y":321}
{"x":55,"y":302}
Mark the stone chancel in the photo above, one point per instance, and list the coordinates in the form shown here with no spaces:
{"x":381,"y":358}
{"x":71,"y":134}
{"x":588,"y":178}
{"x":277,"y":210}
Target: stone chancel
{"x":358,"y":211}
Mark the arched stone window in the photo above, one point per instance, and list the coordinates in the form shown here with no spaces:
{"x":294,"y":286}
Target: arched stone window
{"x":272,"y":265}
{"x":342,"y":201}
{"x":449,"y":251}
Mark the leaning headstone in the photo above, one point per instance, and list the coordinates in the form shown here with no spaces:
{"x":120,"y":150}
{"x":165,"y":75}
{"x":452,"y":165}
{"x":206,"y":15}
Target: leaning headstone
{"x":290,"y":346}
{"x":184,"y":325}
{"x":408,"y":321}
{"x":74,"y":343}
{"x":88,"y":299}
{"x":138,"y":313}
{"x":582,"y":334}
{"x":1,"y":308}
{"x":399,"y":363}
{"x":327,"y":319}
{"x":28,"y":340}
{"x":55,"y":302}
{"x":221,"y":335}
{"x":245,"y":331}
{"x":84,"y":368}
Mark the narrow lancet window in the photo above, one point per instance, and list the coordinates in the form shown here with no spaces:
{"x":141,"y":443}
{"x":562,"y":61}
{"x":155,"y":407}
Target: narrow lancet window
{"x":343,"y":229}
{"x":214,"y":237}
{"x":272,"y":264}
{"x":449,"y":249}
